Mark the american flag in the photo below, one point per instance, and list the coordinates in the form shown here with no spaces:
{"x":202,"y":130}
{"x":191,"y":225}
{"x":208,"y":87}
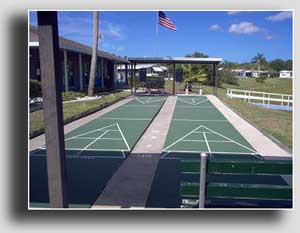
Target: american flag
{"x":165,"y":21}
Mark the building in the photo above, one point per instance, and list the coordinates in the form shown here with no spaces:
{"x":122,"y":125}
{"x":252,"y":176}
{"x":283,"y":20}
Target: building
{"x":151,"y":70}
{"x":75,"y":59}
{"x":242,"y":73}
{"x":286,"y":74}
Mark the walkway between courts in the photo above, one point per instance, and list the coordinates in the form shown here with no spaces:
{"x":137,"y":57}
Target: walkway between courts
{"x":130,"y":185}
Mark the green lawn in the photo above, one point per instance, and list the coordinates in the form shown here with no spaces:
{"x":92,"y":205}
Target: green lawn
{"x":76,"y":108}
{"x":275,"y":122}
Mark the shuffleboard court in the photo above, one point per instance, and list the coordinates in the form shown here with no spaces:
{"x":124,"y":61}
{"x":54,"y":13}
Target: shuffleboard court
{"x":198,"y":126}
{"x":94,"y":152}
{"x":115,"y":133}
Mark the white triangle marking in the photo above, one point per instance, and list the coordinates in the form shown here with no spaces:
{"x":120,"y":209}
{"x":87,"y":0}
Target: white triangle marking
{"x":207,"y":142}
{"x":194,"y":103}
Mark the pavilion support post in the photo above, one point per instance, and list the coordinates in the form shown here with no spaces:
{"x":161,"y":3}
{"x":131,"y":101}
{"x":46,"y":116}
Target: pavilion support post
{"x":215,"y":79}
{"x":134,"y":73}
{"x":102,"y":72}
{"x":126,"y":74}
{"x":52,"y":102}
{"x":174,"y":77}
{"x":131,"y":78}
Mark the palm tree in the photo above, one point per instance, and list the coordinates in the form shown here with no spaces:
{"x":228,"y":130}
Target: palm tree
{"x":259,"y":59}
{"x":94,"y":54}
{"x":192,"y":73}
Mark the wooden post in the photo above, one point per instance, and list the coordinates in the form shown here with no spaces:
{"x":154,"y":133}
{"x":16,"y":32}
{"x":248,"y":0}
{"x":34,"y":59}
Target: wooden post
{"x":66,"y":70}
{"x":174,"y":77}
{"x":52,"y":102}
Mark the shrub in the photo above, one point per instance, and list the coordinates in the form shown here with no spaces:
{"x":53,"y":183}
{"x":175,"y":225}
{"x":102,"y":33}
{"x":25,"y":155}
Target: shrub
{"x":227,"y":77}
{"x":35,"y":89}
{"x":136,"y":82}
{"x":261,"y":79}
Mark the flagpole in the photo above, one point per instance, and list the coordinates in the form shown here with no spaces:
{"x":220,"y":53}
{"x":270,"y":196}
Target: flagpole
{"x":156,"y":34}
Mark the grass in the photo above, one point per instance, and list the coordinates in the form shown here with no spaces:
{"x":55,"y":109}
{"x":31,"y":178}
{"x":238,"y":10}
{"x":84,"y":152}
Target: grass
{"x":277,"y":123}
{"x":75,"y":109}
{"x":72,"y":95}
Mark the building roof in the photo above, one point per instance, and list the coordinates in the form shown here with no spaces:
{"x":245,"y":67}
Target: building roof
{"x":145,"y":66}
{"x":74,"y":46}
{"x":181,"y":60}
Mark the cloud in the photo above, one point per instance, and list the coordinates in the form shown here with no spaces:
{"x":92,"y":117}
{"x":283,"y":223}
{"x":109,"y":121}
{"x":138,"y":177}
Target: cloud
{"x":268,"y":37}
{"x":233,"y":12}
{"x":215,"y":27}
{"x":80,"y":25}
{"x":112,"y":47}
{"x":244,"y":28}
{"x":283,"y":15}
{"x":113,"y":31}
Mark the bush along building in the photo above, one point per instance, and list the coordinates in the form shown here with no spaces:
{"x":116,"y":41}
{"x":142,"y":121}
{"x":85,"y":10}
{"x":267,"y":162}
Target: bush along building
{"x":75,"y":59}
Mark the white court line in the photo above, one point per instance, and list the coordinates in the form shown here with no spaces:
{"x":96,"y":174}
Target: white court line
{"x":79,"y":149}
{"x":178,"y":106}
{"x":192,"y":140}
{"x":207,"y":144}
{"x":181,"y":138}
{"x":136,"y":105}
{"x":124,"y":156}
{"x":86,"y":156}
{"x":197,"y":103}
{"x":127,"y":119}
{"x":218,"y":152}
{"x":203,"y":132}
{"x":90,"y":138}
{"x":231,"y":140}
{"x":101,"y":129}
{"x":149,"y":102}
{"x":92,"y":142}
{"x":123,"y":137}
{"x":178,"y":119}
{"x":165,"y":154}
{"x":117,"y":139}
{"x":139,"y":101}
{"x":201,"y":126}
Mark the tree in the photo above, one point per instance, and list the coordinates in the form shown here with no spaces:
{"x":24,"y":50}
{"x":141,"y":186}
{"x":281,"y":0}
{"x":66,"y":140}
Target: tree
{"x":278,"y":64}
{"x":259,"y":59}
{"x":94,"y":54}
{"x":289,"y":64}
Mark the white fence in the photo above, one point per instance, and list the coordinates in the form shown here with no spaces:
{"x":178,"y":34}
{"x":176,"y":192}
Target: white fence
{"x":261,"y":97}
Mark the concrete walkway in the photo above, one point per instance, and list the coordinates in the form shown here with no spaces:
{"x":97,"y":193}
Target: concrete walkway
{"x":40,"y":140}
{"x":130,"y":185}
{"x":262,"y":144}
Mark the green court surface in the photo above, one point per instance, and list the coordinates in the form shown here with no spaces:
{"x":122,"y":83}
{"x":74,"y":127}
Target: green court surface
{"x":198,"y":126}
{"x":94,"y":152}
{"x":115,"y":133}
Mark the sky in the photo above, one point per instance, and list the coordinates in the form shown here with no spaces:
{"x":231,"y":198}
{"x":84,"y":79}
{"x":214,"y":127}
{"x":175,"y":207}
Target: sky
{"x":232,"y":35}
